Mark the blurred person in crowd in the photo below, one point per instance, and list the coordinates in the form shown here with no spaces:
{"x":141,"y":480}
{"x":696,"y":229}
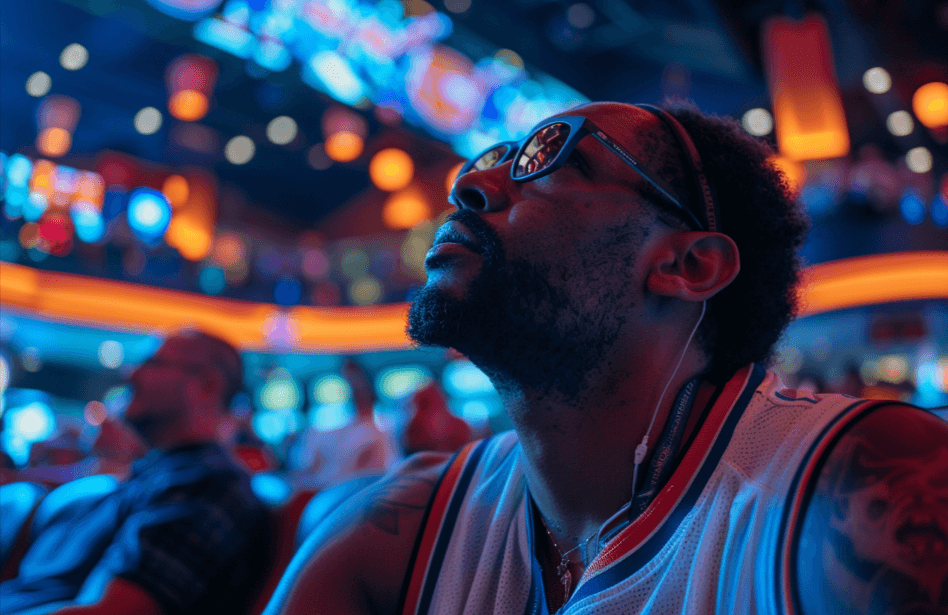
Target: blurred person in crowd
{"x":116,"y":448}
{"x":432,"y":427}
{"x":622,"y":275}
{"x":320,"y":459}
{"x":184,"y":533}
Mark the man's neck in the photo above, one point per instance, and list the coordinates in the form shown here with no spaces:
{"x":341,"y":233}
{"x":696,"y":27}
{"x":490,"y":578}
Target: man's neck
{"x":579,"y":454}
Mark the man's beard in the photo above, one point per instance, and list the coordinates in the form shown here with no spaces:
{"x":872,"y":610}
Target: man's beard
{"x":513,"y":323}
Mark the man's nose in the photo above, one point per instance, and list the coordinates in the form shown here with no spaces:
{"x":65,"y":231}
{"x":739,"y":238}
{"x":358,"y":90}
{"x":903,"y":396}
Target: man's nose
{"x":482,"y":191}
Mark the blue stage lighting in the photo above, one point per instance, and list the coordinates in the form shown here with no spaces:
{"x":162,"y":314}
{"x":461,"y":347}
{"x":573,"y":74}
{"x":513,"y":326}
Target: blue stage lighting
{"x":18,"y":169}
{"x":912,"y":207}
{"x":90,"y":227}
{"x":940,"y":210}
{"x":332,"y":73}
{"x":149,"y":213}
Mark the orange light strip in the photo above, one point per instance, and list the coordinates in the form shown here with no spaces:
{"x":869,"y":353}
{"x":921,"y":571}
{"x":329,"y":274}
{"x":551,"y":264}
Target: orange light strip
{"x":882,"y":278}
{"x":119,"y":305}
{"x":108,"y":304}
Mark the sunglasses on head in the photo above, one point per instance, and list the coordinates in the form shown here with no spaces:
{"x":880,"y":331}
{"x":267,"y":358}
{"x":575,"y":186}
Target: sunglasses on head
{"x":549,"y":145}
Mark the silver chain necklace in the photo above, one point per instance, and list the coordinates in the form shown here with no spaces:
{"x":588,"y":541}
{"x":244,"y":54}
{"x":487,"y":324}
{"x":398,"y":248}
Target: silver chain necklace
{"x":562,"y":569}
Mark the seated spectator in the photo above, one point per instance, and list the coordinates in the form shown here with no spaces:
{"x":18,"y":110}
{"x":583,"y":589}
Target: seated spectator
{"x":432,"y":427}
{"x":321,"y":459}
{"x":184,"y":533}
{"x":117,"y":447}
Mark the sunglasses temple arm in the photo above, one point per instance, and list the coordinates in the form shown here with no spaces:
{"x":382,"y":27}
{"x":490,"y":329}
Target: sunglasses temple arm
{"x":629,"y":160}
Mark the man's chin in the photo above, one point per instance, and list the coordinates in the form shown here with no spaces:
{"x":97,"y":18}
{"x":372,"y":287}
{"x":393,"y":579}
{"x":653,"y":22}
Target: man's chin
{"x":435,"y":317}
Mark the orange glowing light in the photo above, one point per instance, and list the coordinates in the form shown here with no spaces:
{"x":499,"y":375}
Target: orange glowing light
{"x":95,"y":413}
{"x":873,"y":279}
{"x":344,"y":146}
{"x":42,"y":179}
{"x":405,"y":209}
{"x":91,"y":188}
{"x":391,"y":169}
{"x":29,"y":235}
{"x":792,"y":170}
{"x":53,"y":142}
{"x":452,"y":177}
{"x":133,"y":307}
{"x":176,"y":189}
{"x":228,"y":251}
{"x":108,"y":304}
{"x":188,"y":105}
{"x":930,"y":104}
{"x":808,"y":108}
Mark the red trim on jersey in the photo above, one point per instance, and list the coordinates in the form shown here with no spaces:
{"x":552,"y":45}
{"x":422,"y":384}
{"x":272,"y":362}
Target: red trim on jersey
{"x":431,"y":530}
{"x":639,"y":531}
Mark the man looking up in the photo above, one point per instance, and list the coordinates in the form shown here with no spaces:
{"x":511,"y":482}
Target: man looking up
{"x":183,"y":533}
{"x":622,"y":275}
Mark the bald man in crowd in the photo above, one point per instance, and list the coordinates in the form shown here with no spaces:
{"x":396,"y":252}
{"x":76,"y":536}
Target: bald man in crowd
{"x":184,"y":533}
{"x":622,"y":275}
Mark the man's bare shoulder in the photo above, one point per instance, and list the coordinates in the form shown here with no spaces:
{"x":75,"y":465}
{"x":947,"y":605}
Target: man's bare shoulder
{"x":875,"y":532}
{"x":355,"y":561}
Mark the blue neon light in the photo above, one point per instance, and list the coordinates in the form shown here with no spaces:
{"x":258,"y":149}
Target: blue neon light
{"x":90,"y":227}
{"x":149,"y":213}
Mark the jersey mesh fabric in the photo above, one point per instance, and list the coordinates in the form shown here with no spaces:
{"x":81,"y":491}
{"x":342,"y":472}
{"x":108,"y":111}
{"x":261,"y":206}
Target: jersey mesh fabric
{"x":721,"y":558}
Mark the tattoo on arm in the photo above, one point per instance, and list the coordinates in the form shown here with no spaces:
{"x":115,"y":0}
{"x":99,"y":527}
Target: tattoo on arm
{"x":405,"y":494}
{"x":880,"y":514}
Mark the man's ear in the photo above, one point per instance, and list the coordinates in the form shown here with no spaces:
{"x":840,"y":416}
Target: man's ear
{"x":694,"y":266}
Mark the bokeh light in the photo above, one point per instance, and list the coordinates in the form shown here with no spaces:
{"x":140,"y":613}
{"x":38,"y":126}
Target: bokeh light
{"x":396,"y":383}
{"x":239,"y":150}
{"x":877,"y":80}
{"x":149,"y":213}
{"x":758,"y":122}
{"x":930,"y":104}
{"x":280,"y":393}
{"x":317,"y":158}
{"x":74,"y":57}
{"x":212,"y":280}
{"x":30,"y":359}
{"x":580,"y":15}
{"x":331,"y":389}
{"x":457,"y":6}
{"x":405,"y":209}
{"x":176,"y":189}
{"x":229,"y":250}
{"x":38,"y":84}
{"x":88,"y":221}
{"x":366,"y":290}
{"x":53,"y":141}
{"x":282,"y":130}
{"x":111,"y":354}
{"x":391,"y":169}
{"x":919,"y":160}
{"x":148,"y":121}
{"x":354,"y":263}
{"x":32,"y":422}
{"x":900,"y":123}
{"x":95,"y":413}
{"x":188,"y":105}
{"x":344,"y":146}
{"x":464,"y":379}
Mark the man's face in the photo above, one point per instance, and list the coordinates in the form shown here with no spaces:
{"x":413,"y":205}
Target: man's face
{"x":541,"y":269}
{"x":161,"y":389}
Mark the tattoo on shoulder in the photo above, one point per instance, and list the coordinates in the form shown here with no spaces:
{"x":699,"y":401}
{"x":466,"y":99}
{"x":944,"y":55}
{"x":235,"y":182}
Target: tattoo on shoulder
{"x":403,"y":495}
{"x":885,"y":527}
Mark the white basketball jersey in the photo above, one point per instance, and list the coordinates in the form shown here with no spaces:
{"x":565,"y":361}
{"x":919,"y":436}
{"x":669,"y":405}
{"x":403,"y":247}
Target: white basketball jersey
{"x":716,"y":539}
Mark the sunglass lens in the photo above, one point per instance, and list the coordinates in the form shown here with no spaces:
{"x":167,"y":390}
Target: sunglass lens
{"x":541,"y":149}
{"x":490,"y":158}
